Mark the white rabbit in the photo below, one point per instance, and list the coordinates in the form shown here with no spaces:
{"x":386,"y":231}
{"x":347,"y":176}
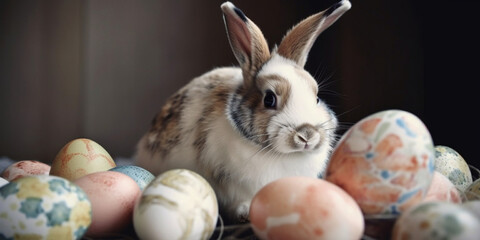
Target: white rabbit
{"x":243,"y":127}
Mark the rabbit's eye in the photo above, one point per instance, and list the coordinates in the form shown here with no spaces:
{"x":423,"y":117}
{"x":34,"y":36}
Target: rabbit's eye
{"x":318,"y":100}
{"x":270,"y":100}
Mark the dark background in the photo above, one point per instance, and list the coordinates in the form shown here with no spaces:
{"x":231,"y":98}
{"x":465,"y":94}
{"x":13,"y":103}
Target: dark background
{"x":102,"y":69}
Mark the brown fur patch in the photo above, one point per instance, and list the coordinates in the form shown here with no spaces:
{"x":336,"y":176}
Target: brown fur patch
{"x":282,"y":87}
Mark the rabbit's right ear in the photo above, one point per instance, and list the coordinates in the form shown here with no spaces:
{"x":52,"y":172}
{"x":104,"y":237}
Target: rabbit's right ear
{"x":246,"y":39}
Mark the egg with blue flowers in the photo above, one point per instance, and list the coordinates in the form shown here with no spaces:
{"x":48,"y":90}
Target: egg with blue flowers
{"x":140,"y":175}
{"x":385,"y":162}
{"x":43,"y":207}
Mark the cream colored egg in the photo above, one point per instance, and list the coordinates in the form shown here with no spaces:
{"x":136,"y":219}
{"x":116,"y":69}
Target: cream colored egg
{"x":385,"y":162}
{"x":305,"y":208}
{"x":452,"y":165}
{"x":178,"y":204}
{"x":81,"y":157}
{"x":437,"y":220}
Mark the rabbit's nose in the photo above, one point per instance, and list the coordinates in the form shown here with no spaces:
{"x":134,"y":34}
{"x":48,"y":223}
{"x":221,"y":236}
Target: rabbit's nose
{"x":306,"y":137}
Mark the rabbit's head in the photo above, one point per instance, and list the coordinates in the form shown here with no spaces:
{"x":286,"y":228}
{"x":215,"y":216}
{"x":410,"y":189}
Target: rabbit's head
{"x":277,"y":106}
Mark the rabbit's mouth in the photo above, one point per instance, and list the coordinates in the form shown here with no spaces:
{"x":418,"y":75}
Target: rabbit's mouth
{"x":303,"y":138}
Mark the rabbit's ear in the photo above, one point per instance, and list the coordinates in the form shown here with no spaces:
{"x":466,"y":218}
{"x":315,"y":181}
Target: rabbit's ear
{"x":299,"y":40}
{"x":246,"y":39}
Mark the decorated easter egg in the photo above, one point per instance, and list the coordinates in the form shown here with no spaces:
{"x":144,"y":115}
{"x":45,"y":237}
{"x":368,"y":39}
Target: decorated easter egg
{"x":141,"y":176}
{"x":437,"y":220}
{"x":25,"y":168}
{"x":305,"y":208}
{"x":81,"y":157}
{"x":3,"y":181}
{"x":452,"y":165}
{"x":385,"y":162}
{"x":113,"y":197}
{"x":441,"y":189}
{"x":43,"y":207}
{"x":473,"y":190}
{"x":178,"y":204}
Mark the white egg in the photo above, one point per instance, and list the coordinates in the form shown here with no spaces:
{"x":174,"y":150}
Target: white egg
{"x":178,"y":204}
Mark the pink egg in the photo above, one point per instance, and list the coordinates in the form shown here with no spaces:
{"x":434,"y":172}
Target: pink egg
{"x":25,"y":168}
{"x":442,"y":189}
{"x":305,"y":208}
{"x":113,"y":197}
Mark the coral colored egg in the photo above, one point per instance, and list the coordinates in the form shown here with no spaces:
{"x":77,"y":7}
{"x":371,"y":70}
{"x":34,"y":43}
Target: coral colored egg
{"x":305,"y":208}
{"x":81,"y":157}
{"x":385,"y":162}
{"x":25,"y":168}
{"x":442,"y":189}
{"x":113,"y":197}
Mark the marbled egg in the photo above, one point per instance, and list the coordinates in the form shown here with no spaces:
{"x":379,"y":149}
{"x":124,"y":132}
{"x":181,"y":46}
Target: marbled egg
{"x":3,"y":181}
{"x":113,"y":197}
{"x":305,"y":208}
{"x":385,"y":162}
{"x":43,"y":207}
{"x":437,"y":220}
{"x":25,"y":168}
{"x":79,"y":158}
{"x":473,"y":190}
{"x":452,"y":165}
{"x":141,"y":176}
{"x":442,"y":189}
{"x":178,"y":204}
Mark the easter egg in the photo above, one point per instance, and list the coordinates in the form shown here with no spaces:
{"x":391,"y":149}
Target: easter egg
{"x":3,"y":181}
{"x":81,"y":157}
{"x":43,"y":207}
{"x":113,"y":197}
{"x":473,"y":190}
{"x":441,"y":189}
{"x":178,"y":204}
{"x":452,"y":165}
{"x":25,"y":168}
{"x":385,"y":162}
{"x":437,"y":220}
{"x":140,"y":175}
{"x":305,"y":208}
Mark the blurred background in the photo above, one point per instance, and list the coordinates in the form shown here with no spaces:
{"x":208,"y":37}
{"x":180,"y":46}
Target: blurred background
{"x":102,"y":69}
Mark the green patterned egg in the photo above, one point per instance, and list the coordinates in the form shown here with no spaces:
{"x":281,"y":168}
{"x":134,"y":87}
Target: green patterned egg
{"x":43,"y":207}
{"x":452,"y":165}
{"x":437,"y":220}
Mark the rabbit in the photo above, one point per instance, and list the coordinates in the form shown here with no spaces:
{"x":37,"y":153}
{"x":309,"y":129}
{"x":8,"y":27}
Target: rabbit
{"x":244,"y":127}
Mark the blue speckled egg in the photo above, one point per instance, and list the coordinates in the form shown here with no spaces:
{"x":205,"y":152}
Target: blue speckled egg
{"x":43,"y":207}
{"x":141,"y":176}
{"x":452,"y":165}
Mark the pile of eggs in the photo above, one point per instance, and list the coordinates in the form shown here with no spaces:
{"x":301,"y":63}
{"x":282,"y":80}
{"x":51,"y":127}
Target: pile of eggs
{"x":385,"y":180}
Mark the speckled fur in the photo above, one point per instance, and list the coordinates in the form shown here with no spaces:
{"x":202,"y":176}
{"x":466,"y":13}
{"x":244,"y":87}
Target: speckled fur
{"x":218,"y":126}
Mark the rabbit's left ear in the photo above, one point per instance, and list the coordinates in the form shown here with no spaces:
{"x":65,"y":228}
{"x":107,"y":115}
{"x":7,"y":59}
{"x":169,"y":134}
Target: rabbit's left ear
{"x":246,"y":39}
{"x":299,"y":40}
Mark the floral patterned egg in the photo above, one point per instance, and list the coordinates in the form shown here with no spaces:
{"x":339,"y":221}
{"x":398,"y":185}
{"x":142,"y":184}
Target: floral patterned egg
{"x":437,"y":220}
{"x":452,"y":165}
{"x":43,"y":207}
{"x":178,"y":204}
{"x":385,"y":162}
